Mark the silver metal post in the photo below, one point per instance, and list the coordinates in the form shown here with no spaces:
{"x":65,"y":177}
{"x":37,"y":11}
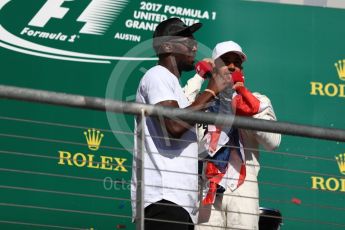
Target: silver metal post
{"x":140,"y":202}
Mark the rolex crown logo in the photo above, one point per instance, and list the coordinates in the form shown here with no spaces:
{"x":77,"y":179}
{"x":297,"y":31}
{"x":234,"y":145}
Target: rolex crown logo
{"x":341,"y":162}
{"x":340,"y":66}
{"x":93,"y":138}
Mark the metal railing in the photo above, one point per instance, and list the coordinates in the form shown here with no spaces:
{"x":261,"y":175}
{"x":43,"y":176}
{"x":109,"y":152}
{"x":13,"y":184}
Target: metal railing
{"x":143,"y":110}
{"x":95,"y":103}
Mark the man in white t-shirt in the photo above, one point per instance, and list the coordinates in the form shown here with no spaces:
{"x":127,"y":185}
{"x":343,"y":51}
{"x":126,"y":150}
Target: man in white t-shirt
{"x":171,"y":165}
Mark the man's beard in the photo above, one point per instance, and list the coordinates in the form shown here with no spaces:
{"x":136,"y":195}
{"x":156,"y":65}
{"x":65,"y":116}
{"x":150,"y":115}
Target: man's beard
{"x":186,"y":66}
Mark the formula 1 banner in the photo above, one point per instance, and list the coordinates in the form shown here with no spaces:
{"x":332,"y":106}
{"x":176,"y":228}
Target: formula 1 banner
{"x":70,"y":168}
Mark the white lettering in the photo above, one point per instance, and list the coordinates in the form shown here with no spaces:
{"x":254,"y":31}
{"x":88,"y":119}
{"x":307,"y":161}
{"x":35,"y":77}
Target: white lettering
{"x":150,"y":6}
{"x":140,"y":25}
{"x":128,"y":37}
{"x":180,"y":11}
{"x":149,"y":16}
{"x":46,"y":35}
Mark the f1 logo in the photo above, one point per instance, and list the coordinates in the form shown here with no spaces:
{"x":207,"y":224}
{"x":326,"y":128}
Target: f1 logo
{"x":51,"y":9}
{"x":97,"y":16}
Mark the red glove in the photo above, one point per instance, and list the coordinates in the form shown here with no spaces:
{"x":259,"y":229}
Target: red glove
{"x":204,"y":69}
{"x":237,"y":76}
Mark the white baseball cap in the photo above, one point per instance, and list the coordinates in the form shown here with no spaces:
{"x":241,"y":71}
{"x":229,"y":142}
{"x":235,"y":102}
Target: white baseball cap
{"x":226,"y":47}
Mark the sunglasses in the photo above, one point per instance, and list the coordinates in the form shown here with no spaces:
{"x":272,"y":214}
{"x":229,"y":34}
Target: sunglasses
{"x":233,"y":60}
{"x":187,"y":42}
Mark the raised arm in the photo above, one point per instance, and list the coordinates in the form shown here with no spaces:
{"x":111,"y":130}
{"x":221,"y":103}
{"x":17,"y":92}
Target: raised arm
{"x":215,"y":85}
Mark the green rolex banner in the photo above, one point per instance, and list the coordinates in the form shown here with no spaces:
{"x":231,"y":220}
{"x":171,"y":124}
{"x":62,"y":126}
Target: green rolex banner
{"x":71,"y":168}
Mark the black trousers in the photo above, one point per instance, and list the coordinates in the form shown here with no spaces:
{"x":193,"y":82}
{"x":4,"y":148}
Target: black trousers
{"x":158,"y":213}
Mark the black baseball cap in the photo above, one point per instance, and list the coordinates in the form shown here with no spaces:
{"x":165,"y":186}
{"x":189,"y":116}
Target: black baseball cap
{"x":175,"y":27}
{"x":172,"y":28}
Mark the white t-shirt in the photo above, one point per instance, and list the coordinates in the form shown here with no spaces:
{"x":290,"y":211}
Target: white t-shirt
{"x":171,"y":166}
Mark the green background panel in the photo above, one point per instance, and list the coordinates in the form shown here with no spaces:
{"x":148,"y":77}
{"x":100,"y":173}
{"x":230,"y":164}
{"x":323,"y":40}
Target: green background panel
{"x":288,"y":47}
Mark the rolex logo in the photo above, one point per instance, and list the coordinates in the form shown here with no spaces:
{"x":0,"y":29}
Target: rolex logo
{"x":340,"y":66}
{"x":331,"y":183}
{"x":341,"y":162}
{"x":92,"y":161}
{"x":330,"y":89}
{"x":93,"y":138}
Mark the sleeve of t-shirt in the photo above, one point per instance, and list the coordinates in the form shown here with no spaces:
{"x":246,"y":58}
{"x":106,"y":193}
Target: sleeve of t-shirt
{"x":159,"y":88}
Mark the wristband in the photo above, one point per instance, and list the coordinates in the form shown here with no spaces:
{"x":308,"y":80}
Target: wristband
{"x":212,"y":92}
